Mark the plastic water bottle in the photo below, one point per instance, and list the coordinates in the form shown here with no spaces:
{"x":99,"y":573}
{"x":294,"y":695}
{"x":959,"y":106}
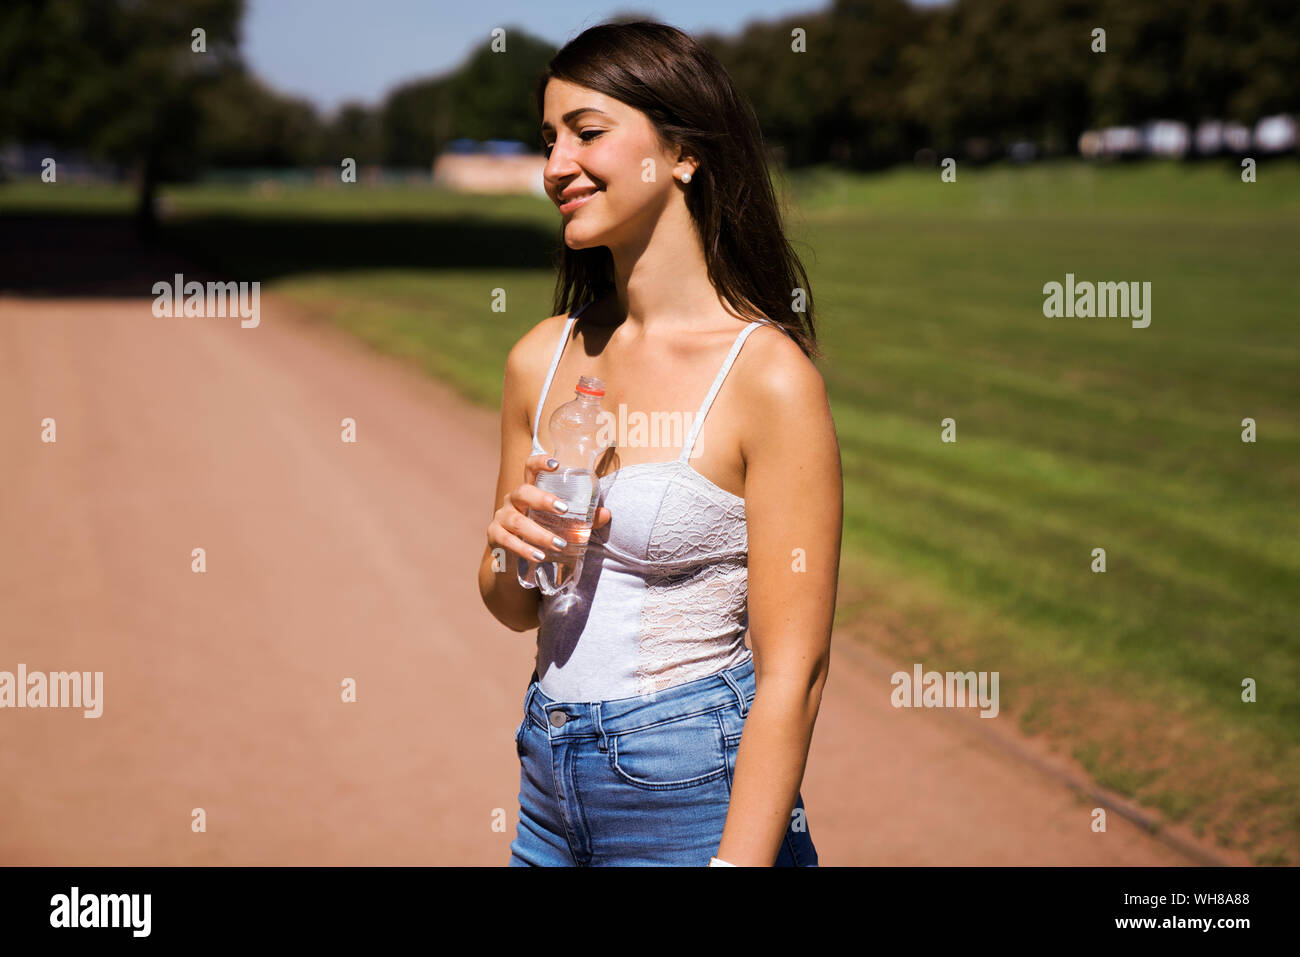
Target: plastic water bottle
{"x":573,"y":429}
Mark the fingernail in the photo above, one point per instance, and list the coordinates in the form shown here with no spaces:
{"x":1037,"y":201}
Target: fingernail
{"x":538,"y":554}
{"x":551,"y":463}
{"x":561,"y":506}
{"x":559,"y":542}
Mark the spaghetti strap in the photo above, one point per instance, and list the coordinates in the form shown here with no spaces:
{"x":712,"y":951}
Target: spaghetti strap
{"x":550,"y":374}
{"x":717,"y":383}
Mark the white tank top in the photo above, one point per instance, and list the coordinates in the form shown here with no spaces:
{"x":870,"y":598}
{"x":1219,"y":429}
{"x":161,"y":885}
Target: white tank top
{"x":664,"y":586}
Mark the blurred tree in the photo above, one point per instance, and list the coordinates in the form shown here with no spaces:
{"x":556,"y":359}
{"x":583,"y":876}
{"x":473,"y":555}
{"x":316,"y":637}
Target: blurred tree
{"x":412,"y":123}
{"x":117,"y":79}
{"x":1230,"y":59}
{"x":487,"y":97}
{"x":1012,"y":69}
{"x":786,"y":88}
{"x":865,"y":67}
{"x":244,"y":123}
{"x":491,"y":95}
{"x":1005,"y":70}
{"x":354,"y":131}
{"x":839,"y":98}
{"x":1242,"y":58}
{"x":1138,"y":77}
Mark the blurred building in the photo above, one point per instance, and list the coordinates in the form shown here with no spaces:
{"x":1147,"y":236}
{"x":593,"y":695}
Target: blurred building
{"x":491,"y":166}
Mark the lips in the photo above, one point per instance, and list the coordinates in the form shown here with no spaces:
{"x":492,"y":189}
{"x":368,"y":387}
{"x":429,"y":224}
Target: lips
{"x":576,"y":199}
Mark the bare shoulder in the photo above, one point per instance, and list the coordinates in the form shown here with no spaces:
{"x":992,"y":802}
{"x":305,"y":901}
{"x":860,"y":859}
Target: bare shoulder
{"x":526,"y":366}
{"x":776,"y":372}
{"x":787,"y":410}
{"x":531,"y":354}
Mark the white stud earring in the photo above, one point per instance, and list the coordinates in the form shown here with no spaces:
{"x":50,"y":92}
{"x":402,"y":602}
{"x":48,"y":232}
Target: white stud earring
{"x":686,"y":177}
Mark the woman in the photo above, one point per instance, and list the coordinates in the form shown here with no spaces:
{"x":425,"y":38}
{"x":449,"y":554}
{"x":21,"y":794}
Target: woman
{"x":631,"y":742}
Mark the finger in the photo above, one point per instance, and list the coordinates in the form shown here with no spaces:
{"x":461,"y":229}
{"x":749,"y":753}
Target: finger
{"x":523,"y":549}
{"x":538,"y":463}
{"x":528,"y":496}
{"x":536,"y":534}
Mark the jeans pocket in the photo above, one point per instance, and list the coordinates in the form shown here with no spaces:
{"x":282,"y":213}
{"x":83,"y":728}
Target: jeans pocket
{"x":519,"y":736}
{"x":677,"y":753}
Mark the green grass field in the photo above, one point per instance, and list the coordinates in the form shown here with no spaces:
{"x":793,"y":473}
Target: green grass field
{"x":1072,"y":434}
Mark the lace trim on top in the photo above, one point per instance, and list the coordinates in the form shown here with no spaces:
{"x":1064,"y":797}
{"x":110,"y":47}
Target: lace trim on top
{"x":692,"y":625}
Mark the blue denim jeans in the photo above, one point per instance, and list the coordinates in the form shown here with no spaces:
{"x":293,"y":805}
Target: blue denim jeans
{"x":640,"y":781}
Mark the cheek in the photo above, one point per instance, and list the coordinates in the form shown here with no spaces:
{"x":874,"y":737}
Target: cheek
{"x":631,"y":164}
{"x":629,"y":200}
{"x":637,"y":182}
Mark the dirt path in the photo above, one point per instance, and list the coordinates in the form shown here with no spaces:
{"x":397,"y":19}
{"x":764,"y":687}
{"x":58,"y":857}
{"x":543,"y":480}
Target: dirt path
{"x":327,"y":560}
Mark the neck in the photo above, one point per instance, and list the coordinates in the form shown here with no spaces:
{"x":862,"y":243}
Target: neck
{"x":662,"y":281}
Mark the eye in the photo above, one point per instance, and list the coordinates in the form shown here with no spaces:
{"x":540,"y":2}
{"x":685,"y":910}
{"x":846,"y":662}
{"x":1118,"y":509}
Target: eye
{"x":586,"y":135}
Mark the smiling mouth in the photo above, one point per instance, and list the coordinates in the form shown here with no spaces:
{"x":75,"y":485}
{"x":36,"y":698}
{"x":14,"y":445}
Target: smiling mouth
{"x":577,"y":201}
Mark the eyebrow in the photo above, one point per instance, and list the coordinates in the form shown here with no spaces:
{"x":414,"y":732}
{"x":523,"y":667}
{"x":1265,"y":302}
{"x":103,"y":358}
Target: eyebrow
{"x":572,"y":113}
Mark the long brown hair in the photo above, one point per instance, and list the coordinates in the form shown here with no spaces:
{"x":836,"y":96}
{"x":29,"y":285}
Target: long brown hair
{"x":691,"y":101}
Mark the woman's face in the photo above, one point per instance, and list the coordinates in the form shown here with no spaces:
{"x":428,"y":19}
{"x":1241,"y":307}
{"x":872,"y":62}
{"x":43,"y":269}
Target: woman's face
{"x":604,"y":154}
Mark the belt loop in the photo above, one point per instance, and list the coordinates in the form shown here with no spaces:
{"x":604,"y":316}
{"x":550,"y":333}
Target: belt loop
{"x":602,"y":743}
{"x":740,"y":694}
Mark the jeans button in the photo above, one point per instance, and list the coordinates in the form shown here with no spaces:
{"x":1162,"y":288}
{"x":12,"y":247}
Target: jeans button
{"x":558,"y":718}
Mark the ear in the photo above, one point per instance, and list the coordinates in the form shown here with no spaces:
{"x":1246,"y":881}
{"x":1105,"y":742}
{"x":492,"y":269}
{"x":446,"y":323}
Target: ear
{"x":686,"y":163}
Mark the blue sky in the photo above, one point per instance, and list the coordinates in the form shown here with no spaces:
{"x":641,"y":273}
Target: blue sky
{"x":331,"y":51}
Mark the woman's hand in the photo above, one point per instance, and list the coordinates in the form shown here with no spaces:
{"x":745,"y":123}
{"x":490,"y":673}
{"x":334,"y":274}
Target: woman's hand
{"x":513,"y":530}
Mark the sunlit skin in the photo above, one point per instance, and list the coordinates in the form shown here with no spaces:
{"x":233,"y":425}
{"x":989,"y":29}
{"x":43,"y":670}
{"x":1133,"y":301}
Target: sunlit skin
{"x":769,"y":436}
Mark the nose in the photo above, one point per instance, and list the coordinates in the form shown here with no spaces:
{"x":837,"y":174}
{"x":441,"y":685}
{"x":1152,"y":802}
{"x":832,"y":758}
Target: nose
{"x":559,"y":167}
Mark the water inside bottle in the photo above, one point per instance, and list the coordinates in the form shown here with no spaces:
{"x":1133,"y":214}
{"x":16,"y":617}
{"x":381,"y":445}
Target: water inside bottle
{"x":574,"y":486}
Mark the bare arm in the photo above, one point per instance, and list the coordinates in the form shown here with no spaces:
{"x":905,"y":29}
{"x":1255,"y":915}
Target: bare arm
{"x":511,"y":534}
{"x":794,"y":501}
{"x":511,"y":604}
